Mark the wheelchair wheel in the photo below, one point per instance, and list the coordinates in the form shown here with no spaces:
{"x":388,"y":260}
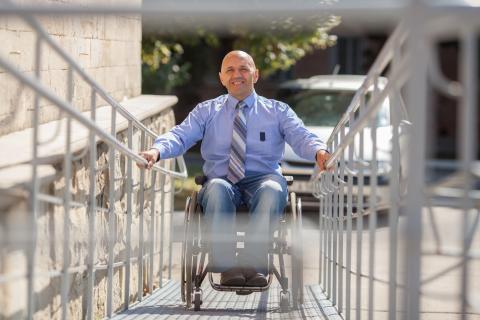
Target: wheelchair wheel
{"x":190,"y":240}
{"x":297,"y":251}
{"x":182,"y":265}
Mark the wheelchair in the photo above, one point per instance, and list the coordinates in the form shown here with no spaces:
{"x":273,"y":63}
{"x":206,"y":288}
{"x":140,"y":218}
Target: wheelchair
{"x":195,"y":251}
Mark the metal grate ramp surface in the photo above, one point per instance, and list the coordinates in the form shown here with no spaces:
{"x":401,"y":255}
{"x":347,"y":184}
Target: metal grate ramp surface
{"x":166,"y":303}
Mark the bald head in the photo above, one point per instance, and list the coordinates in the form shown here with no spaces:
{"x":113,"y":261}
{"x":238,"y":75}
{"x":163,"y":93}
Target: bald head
{"x":238,"y":74}
{"x":239,"y":54}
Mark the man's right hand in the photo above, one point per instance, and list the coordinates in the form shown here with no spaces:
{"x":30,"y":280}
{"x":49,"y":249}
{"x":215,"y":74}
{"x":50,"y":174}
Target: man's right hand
{"x":151,"y":156}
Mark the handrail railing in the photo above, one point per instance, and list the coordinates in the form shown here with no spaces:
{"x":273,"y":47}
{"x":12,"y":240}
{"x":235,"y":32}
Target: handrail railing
{"x":95,"y":86}
{"x":413,"y":191}
{"x":147,"y":250}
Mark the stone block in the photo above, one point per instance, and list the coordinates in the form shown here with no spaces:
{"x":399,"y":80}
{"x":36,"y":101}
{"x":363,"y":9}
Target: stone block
{"x":82,"y":94}
{"x":52,"y":25}
{"x":111,"y":27}
{"x":10,"y":48}
{"x":106,"y":55}
{"x":98,"y":74}
{"x":129,"y":28}
{"x":55,"y":61}
{"x":25,"y":46}
{"x":68,"y":26}
{"x":100,"y":29}
{"x":3,"y":23}
{"x":49,"y":113}
{"x":15,"y":23}
{"x":87,"y":25}
{"x":5,"y":36}
{"x":117,"y":53}
{"x":133,"y":78}
{"x":96,"y":48}
{"x":59,"y":82}
{"x":83,"y":52}
{"x":82,"y":38}
{"x":134,"y":52}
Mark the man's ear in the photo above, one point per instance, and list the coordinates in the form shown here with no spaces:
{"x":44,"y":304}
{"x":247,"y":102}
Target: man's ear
{"x":256,"y":76}
{"x":220,"y":77}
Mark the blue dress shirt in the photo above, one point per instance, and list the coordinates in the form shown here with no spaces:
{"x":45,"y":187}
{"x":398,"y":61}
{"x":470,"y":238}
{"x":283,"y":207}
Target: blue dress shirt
{"x":270,"y":124}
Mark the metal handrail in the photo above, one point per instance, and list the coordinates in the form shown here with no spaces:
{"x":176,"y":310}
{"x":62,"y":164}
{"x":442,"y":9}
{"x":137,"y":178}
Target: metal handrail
{"x":336,"y":203}
{"x":380,"y":63}
{"x":91,"y":125}
{"x":96,"y":134}
{"x":412,"y":69}
{"x":72,"y":63}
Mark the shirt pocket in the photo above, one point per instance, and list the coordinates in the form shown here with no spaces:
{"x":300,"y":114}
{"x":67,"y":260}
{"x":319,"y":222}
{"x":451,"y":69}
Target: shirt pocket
{"x":263,"y":138}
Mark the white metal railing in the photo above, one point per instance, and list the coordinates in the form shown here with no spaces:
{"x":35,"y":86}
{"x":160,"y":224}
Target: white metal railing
{"x":359,"y":273}
{"x":154,"y":182}
{"x":346,"y":194}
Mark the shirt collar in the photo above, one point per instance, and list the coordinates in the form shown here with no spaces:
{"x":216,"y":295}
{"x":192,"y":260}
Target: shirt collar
{"x":249,"y":101}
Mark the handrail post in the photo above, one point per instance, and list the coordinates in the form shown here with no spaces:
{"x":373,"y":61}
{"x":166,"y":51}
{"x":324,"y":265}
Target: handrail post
{"x":372,"y":221}
{"x":417,"y":102}
{"x":65,"y":285}
{"x":92,"y":212}
{"x":128,"y":241}
{"x":468,"y":150}
{"x":161,"y":229}
{"x":349,"y":228}
{"x":394,"y":195}
{"x":360,"y":204}
{"x":170,"y":233}
{"x":141,"y":198}
{"x":321,"y":232}
{"x":335,"y":218}
{"x":31,"y":247}
{"x":341,"y":209}
{"x":151,"y":236}
{"x":111,"y":215}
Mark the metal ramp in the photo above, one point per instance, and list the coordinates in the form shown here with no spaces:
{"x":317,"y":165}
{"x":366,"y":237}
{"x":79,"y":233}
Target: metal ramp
{"x":166,"y":303}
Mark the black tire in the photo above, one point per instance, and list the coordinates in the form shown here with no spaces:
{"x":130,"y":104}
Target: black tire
{"x":296,"y":251}
{"x":190,"y":229}
{"x":183,"y":261}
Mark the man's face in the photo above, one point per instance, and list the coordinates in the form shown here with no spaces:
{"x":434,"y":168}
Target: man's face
{"x":238,"y":74}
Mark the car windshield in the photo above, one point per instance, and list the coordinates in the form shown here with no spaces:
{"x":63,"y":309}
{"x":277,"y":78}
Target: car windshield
{"x":323,"y":108}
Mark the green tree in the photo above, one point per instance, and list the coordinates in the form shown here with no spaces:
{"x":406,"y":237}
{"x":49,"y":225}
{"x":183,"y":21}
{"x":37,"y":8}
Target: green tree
{"x":165,"y":66}
{"x":162,"y":65}
{"x":273,"y":52}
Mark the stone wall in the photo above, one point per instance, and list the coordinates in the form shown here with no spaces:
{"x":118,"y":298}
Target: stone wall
{"x":107,"y":47}
{"x":15,"y":236}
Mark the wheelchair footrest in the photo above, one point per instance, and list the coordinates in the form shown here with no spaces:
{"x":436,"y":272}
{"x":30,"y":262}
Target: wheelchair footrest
{"x":243,"y":292}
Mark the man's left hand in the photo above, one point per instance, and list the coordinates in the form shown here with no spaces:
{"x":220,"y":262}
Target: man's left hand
{"x":322,"y":158}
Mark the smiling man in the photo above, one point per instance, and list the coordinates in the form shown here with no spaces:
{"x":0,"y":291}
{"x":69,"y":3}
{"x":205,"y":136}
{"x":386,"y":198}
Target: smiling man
{"x":244,"y":136}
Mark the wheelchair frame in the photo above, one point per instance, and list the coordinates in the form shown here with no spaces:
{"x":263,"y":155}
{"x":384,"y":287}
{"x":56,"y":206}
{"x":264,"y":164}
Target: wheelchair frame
{"x":195,"y":251}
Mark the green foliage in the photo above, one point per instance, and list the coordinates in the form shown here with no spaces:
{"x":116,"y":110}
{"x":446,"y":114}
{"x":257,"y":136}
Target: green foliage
{"x":162,"y":65}
{"x":171,"y":61}
{"x":273,"y":52}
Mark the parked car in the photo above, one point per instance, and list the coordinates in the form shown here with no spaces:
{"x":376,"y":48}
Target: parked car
{"x":320,"y":101}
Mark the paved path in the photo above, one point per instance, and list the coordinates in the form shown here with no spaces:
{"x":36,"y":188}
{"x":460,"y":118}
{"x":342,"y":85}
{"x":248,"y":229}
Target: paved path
{"x":166,"y":303}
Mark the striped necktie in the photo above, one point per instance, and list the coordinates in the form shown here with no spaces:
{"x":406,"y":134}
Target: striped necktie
{"x":236,"y":166}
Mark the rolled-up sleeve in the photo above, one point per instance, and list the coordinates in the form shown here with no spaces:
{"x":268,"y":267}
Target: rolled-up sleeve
{"x":183,"y":136}
{"x":303,"y":142}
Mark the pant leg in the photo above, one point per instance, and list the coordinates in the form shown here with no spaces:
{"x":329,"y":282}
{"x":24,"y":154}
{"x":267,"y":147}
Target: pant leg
{"x":219,"y":199}
{"x":266,"y":196}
